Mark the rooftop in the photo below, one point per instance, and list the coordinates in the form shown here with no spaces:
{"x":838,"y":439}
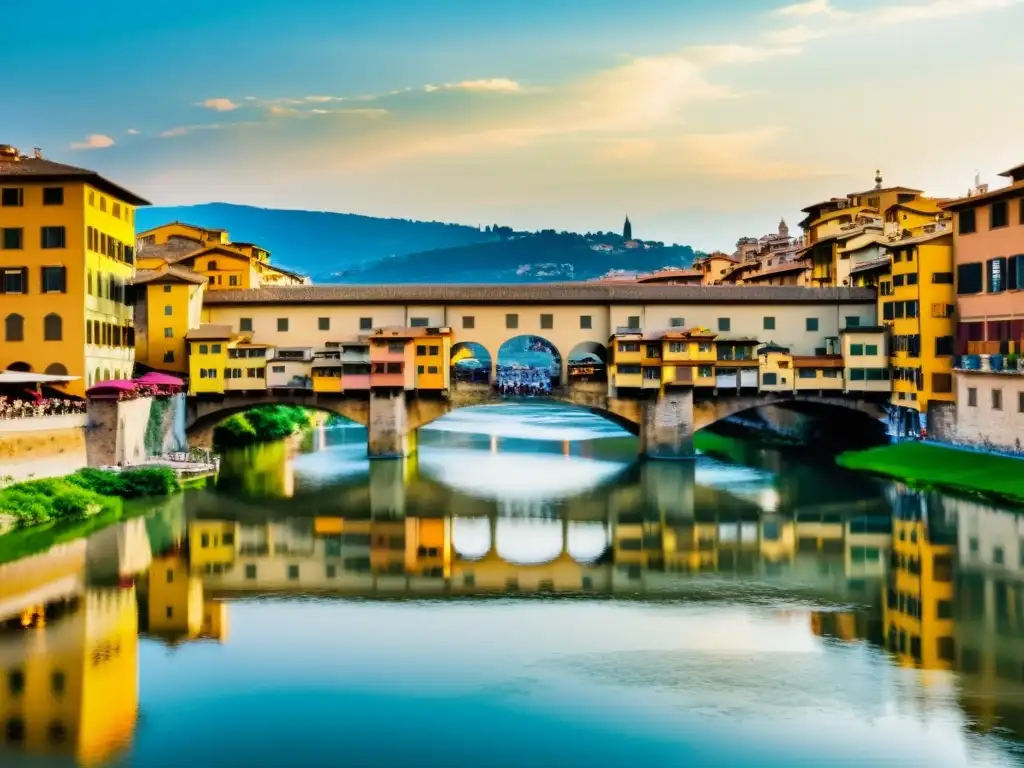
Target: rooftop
{"x":533,"y":293}
{"x":181,"y":224}
{"x":210,"y":332}
{"x":170,"y":274}
{"x":16,"y":166}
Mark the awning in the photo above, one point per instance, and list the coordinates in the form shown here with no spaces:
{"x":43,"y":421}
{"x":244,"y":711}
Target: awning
{"x":22,"y":377}
{"x":160,"y":379}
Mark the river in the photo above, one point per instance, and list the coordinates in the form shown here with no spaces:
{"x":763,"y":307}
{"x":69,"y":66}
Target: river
{"x":522,"y":593}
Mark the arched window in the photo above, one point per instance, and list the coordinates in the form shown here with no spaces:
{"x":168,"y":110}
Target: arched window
{"x":212,"y":265}
{"x":56,"y":369}
{"x":53,"y":327}
{"x":96,"y":378}
{"x":14,"y":327}
{"x":20,"y":367}
{"x":88,"y":379}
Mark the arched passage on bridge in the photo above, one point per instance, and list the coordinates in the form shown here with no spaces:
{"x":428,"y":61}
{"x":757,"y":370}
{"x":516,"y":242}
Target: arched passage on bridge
{"x":528,"y":365}
{"x":471,"y":363}
{"x":530,"y":541}
{"x":588,"y":361}
{"x":204,"y":416}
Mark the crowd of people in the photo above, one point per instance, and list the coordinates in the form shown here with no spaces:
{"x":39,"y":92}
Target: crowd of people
{"x":17,"y":407}
{"x":523,"y":381}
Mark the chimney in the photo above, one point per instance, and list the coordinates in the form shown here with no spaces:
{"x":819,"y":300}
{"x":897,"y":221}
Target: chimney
{"x":37,"y":153}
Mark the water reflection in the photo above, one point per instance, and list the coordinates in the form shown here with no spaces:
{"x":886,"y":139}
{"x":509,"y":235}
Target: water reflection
{"x":793,"y":595}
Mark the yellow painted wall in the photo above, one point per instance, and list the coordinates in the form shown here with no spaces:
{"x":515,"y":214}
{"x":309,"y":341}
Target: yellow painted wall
{"x":780,"y":364}
{"x":180,"y":299}
{"x":161,"y":234}
{"x":210,"y":357}
{"x":225,"y":271}
{"x":432,"y":360}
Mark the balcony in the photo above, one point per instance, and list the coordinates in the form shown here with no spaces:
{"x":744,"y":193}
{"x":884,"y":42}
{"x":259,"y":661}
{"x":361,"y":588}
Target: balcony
{"x":651,"y":378}
{"x":1010,"y":365}
{"x":993,"y":347}
{"x":681,"y":376}
{"x":387,"y":375}
{"x":387,"y":353}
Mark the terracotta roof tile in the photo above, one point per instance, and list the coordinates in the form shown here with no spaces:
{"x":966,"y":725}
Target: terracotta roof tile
{"x":39,"y":169}
{"x":533,"y":293}
{"x":170,"y":274}
{"x":211,"y":332}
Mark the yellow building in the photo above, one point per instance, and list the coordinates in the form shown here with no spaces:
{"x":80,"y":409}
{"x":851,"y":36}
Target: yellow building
{"x":865,"y":359}
{"x":172,"y":306}
{"x":177,"y":606}
{"x":689,"y":357}
{"x":626,"y":372}
{"x":918,"y":615}
{"x":776,"y":368}
{"x":223,"y":264}
{"x":918,"y":306}
{"x":67,"y":252}
{"x":326,"y":371}
{"x":208,"y":358}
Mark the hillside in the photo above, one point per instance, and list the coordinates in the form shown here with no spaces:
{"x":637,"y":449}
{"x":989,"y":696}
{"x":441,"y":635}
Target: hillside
{"x":341,"y":247}
{"x":316,"y":243}
{"x":540,"y":257}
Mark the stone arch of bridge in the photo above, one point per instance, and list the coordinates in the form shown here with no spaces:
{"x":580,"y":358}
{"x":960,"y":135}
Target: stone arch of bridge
{"x":707,"y":411}
{"x":471,"y":362}
{"x":625,"y":414}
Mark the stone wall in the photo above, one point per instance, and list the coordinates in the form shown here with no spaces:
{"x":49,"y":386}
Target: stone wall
{"x":666,"y":431}
{"x":131,"y":431}
{"x":980,"y":418}
{"x":48,"y":446}
{"x":389,"y":435}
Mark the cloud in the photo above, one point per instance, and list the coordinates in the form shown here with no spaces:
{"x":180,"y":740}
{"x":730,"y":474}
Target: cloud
{"x":94,"y":141}
{"x":491,"y":85}
{"x":185,"y":130}
{"x":219,"y":105}
{"x":795,"y":36}
{"x":133,"y":132}
{"x":810,"y":8}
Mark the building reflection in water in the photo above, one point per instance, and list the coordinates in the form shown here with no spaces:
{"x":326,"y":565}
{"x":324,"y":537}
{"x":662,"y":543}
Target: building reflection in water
{"x":936,"y":582}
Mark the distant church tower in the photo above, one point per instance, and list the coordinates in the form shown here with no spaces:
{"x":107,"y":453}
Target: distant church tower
{"x":783,"y":228}
{"x":627,"y":230}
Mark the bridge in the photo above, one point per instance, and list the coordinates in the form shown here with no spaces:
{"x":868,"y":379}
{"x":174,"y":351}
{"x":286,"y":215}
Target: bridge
{"x":664,"y":423}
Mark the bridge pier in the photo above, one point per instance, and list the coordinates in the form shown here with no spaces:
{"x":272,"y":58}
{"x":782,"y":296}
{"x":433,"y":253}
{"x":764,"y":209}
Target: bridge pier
{"x":388,"y":432}
{"x":666,"y":426}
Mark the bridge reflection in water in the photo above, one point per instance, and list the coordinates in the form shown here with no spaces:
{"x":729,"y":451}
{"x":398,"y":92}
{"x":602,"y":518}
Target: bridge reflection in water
{"x":936,"y":582}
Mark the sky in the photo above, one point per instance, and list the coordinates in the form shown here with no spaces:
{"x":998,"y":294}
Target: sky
{"x":703,"y":121}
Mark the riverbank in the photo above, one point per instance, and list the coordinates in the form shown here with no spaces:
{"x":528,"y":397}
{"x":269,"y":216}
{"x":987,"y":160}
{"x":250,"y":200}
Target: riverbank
{"x":266,"y":424}
{"x":930,"y":466}
{"x":84,"y":494}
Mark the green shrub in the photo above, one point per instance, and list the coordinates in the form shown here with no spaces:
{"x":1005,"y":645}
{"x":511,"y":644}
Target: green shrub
{"x":128,"y":483}
{"x":265,"y":424}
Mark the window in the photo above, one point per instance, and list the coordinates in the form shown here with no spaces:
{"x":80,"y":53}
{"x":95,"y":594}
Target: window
{"x":418,"y":322}
{"x":168,"y":333}
{"x":215,"y":349}
{"x":282,"y":324}
{"x":547,"y":322}
{"x":912,"y":278}
{"x":11,"y":197}
{"x":54,"y":280}
{"x":52,"y":237}
{"x":431,"y":369}
{"x":250,"y":571}
{"x":14,"y":280}
{"x":852,"y":321}
{"x":968,"y":278}
{"x":996,"y":273}
{"x":769,"y":323}
{"x":942,"y":278}
{"x":770,"y":379}
{"x":433,"y":350}
{"x":943,"y":345}
{"x":169,"y":356}
{"x":942,"y":383}
{"x":232,"y":279}
{"x":323,"y":323}
{"x":421,"y":349}
{"x":705,"y":372}
{"x":204,"y":349}
{"x":966,"y":222}
{"x":812,"y":324}
{"x":808,"y":373}
{"x":13,"y":239}
{"x":997,"y":399}
{"x":511,"y":321}
{"x":898,"y":280}
{"x":1020,"y":407}
{"x":858,"y":374}
{"x":58,"y":683}
{"x":889,"y":310}
{"x":676,"y":322}
{"x":856,"y":350}
{"x":652,"y":374}
{"x":421,"y":369}
{"x":277,"y":369}
{"x":633,"y":322}
{"x":53,"y":327}
{"x":365,"y":323}
{"x":724,"y":324}
{"x":16,"y":682}
{"x":245,"y":324}
{"x":14,"y":328}
{"x":911,"y":307}
{"x":53,"y":195}
{"x":586,"y":322}
{"x":468,"y":321}
{"x":998,"y":214}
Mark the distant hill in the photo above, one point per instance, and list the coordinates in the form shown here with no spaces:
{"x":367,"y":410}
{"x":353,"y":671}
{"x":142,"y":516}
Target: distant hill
{"x":539,"y":257}
{"x":316,"y":243}
{"x":341,"y":247}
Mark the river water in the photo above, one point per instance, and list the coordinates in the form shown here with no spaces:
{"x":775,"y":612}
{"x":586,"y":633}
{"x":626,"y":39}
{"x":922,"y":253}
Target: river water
{"x":524,"y":593}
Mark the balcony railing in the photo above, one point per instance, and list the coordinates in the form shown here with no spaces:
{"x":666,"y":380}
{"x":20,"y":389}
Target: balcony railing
{"x":994,"y":347}
{"x":1009,"y":364}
